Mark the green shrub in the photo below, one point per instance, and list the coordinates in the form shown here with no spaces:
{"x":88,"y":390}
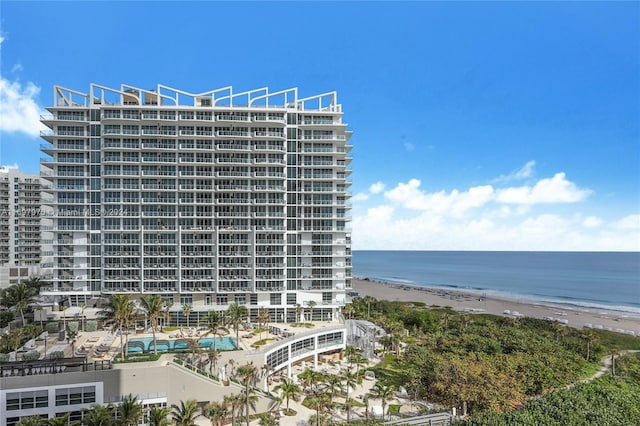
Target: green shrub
{"x":90,"y":326}
{"x":5,"y":318}
{"x":4,"y":357}
{"x":73,"y":327}
{"x":56,"y":355}
{"x":31,"y":356}
{"x":52,"y":327}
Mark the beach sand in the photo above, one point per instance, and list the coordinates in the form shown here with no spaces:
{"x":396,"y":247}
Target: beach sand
{"x":465,"y":301}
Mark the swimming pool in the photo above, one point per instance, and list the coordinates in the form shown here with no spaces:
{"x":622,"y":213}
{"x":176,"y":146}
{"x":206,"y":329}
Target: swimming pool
{"x":145,"y":344}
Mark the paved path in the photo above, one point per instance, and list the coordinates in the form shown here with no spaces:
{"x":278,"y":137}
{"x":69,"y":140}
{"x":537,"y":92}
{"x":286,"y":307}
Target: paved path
{"x":606,"y":366}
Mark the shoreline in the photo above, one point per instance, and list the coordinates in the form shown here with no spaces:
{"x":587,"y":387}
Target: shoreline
{"x":475,"y":301}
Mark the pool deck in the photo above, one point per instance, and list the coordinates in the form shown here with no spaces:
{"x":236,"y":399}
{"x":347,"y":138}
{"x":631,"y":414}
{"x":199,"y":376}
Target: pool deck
{"x":109,"y":343}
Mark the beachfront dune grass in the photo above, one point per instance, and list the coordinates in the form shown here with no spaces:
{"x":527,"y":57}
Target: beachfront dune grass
{"x":609,"y":400}
{"x":481,"y":362}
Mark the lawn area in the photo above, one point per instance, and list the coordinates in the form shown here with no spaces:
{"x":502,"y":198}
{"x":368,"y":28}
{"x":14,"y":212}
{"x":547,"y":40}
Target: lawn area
{"x":389,"y":371}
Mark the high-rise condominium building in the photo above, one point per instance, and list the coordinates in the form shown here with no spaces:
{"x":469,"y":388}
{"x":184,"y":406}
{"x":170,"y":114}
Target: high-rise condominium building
{"x":19,"y":217}
{"x":207,"y":199}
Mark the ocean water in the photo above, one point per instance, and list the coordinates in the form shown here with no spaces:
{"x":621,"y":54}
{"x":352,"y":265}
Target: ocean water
{"x":596,"y":281}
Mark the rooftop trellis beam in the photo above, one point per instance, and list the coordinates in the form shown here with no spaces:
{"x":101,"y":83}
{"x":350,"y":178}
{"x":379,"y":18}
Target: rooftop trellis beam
{"x":267,"y":96}
{"x":333,"y":96}
{"x":168,"y":96}
{"x":248,"y":93}
{"x":64,"y":97}
{"x":195,"y":96}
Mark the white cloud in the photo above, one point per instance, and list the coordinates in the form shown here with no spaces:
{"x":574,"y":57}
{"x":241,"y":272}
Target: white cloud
{"x":360,"y":196}
{"x":9,"y":166}
{"x":484,"y":218}
{"x":524,"y":172}
{"x":376,"y":188}
{"x":19,"y":111}
{"x":554,"y":190}
{"x":409,"y":146}
{"x":17,"y":68}
{"x":410,"y":196}
{"x":631,"y":223}
{"x":592,"y":222}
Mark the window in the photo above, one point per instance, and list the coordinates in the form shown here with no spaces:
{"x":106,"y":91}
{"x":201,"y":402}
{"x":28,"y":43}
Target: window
{"x":13,"y":401}
{"x":291,"y":299}
{"x":222,"y":299}
{"x":75,"y":396}
{"x":27,"y":400}
{"x":186,"y":299}
{"x":240,"y":299}
{"x":275,"y":299}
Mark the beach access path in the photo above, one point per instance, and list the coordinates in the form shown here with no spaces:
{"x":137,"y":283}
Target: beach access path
{"x":473,"y":303}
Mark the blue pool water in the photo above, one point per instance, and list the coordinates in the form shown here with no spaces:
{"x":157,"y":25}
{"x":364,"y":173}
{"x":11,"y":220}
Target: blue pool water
{"x":222,"y":344}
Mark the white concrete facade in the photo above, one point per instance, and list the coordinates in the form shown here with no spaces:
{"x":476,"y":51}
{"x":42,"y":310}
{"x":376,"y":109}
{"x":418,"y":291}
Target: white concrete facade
{"x":207,"y":199}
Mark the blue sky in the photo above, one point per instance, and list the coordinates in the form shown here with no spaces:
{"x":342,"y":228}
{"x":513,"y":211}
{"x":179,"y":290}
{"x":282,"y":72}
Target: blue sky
{"x":477,"y":126}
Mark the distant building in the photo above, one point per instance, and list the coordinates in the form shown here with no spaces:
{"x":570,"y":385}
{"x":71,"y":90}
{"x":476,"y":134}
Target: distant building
{"x":206,"y":199}
{"x":20,"y":225}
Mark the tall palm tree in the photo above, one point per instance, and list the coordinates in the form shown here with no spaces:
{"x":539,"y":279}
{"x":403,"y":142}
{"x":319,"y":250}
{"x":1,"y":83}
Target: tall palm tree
{"x":18,"y":296}
{"x":129,"y":411}
{"x":153,"y":307}
{"x":359,"y":361}
{"x":186,"y":311}
{"x":319,"y":402}
{"x":249,"y":399}
{"x":35,"y":283}
{"x":185,"y":414}
{"x":118,"y":312}
{"x":383,"y":393}
{"x":349,"y":352}
{"x":216,"y":412}
{"x":233,"y":402}
{"x":351,"y":380}
{"x":299,"y":310}
{"x":213,"y":357}
{"x":194,"y":346}
{"x":158,"y":416}
{"x":369,"y":300}
{"x":98,"y":415}
{"x":289,"y":390}
{"x":214,"y":322}
{"x":348,"y":310}
{"x":248,"y":373}
{"x":236,"y":314}
{"x":334,"y":385}
{"x":589,"y":337}
{"x":263,"y":318}
{"x":312,"y":304}
{"x":310,"y":378}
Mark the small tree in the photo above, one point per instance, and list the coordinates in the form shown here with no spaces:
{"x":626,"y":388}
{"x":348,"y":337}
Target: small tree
{"x":289,"y":390}
{"x":383,"y":393}
{"x":158,"y":416}
{"x":185,"y":414}
{"x":186,"y":311}
{"x":129,"y":411}
{"x":216,"y":412}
